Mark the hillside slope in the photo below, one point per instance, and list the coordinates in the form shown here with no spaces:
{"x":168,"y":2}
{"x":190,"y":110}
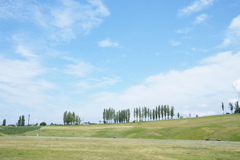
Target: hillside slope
{"x":224,"y":127}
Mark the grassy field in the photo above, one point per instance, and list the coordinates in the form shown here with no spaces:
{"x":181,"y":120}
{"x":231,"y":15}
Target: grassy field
{"x":144,"y":140}
{"x":24,"y":148}
{"x":6,"y":130}
{"x":223,"y":127}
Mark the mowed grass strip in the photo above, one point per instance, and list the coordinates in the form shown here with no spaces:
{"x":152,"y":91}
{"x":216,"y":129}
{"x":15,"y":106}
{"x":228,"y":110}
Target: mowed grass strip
{"x":6,"y":130}
{"x":100,"y":148}
{"x":223,"y":127}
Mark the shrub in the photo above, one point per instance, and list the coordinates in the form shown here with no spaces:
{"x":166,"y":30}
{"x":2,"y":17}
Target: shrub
{"x":43,"y":124}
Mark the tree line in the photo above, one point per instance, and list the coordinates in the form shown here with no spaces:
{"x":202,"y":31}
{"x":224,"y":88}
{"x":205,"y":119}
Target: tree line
{"x":139,"y":113}
{"x":157,"y":113}
{"x":121,"y":116}
{"x":232,"y":106}
{"x":21,"y":121}
{"x":71,"y":118}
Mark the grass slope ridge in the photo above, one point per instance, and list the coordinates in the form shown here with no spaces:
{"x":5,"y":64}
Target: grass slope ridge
{"x":6,"y":130}
{"x":224,"y":127}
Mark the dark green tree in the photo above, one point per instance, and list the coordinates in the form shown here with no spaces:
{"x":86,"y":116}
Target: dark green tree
{"x":237,"y":109}
{"x":156,"y":112}
{"x":150,"y":114}
{"x":165,"y":111}
{"x":168,"y":111}
{"x":65,"y":118}
{"x":134,"y":114}
{"x":128,"y":115}
{"x":153,"y":113}
{"x":231,"y":107}
{"x":172,"y":112}
{"x":140,"y":114}
{"x":43,"y":124}
{"x":162,"y":111}
{"x":19,"y":123}
{"x":223,"y":107}
{"x":4,"y":122}
{"x":23,"y":121}
{"x":104,"y":116}
{"x":71,"y":118}
{"x":159,"y":112}
{"x":137,"y":114}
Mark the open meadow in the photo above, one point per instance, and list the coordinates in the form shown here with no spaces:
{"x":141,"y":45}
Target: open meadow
{"x":223,"y":127}
{"x":168,"y":139}
{"x":101,"y":148}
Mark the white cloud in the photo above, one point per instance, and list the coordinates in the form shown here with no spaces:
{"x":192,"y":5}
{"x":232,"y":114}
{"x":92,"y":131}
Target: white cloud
{"x":201,"y":18}
{"x":195,"y":7}
{"x":21,"y":85}
{"x":107,"y":43}
{"x":233,"y":33}
{"x":175,"y":43}
{"x":236,"y":85}
{"x":81,"y":69}
{"x":184,"y":30}
{"x":205,"y":85}
{"x":24,"y":51}
{"x":61,"y":20}
{"x":97,"y":83}
{"x":17,"y":71}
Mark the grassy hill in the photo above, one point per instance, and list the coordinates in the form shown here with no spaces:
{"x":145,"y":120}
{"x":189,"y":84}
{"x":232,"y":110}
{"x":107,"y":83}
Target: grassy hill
{"x":224,"y":127}
{"x":7,"y":130}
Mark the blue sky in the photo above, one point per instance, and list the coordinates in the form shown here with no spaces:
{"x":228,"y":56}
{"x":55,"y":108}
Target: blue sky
{"x":87,"y":55}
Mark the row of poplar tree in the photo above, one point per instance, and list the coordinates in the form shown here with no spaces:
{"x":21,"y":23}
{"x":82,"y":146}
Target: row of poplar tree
{"x":21,"y":121}
{"x":232,"y":106}
{"x":110,"y":116}
{"x":157,"y":113}
{"x":139,"y":113}
{"x":70,"y":118}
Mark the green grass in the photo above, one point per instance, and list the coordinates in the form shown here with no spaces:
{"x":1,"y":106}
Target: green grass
{"x":224,"y":127}
{"x":24,"y":148}
{"x":145,"y":140}
{"x":6,"y":130}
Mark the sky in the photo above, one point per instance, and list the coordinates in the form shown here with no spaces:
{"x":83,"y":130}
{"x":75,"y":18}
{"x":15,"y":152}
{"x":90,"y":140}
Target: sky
{"x":87,"y":55}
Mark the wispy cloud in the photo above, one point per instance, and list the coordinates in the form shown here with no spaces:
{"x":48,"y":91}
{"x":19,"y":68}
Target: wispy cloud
{"x":25,"y":52}
{"x":197,"y":5}
{"x":175,"y":43}
{"x":107,"y":43}
{"x":233,"y":33}
{"x":236,"y":85}
{"x":81,"y":69}
{"x":201,"y":18}
{"x":98,"y":83}
{"x":61,"y":21}
{"x":184,"y":30}
{"x":20,"y":82}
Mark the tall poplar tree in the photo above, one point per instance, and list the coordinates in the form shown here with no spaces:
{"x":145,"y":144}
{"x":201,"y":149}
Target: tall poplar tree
{"x":172,"y":112}
{"x":153,"y":113}
{"x":23,"y":121}
{"x":65,"y":117}
{"x":4,"y":122}
{"x":231,"y":107}
{"x":162,"y":111}
{"x":19,"y":123}
{"x":237,"y":108}
{"x":223,"y":107}
{"x":159,"y":112}
{"x":165,"y":111}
